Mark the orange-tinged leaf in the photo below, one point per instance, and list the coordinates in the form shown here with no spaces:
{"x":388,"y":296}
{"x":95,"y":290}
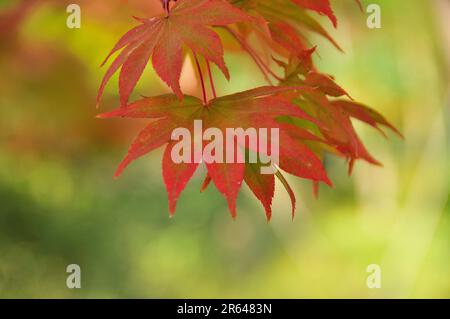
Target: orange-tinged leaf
{"x":337,"y":128}
{"x":325,"y":84}
{"x":287,"y":36}
{"x":176,"y":176}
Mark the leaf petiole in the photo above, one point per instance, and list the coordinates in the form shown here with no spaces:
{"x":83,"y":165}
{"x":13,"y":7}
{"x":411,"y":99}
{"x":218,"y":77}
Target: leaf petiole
{"x":199,"y":69}
{"x":211,"y":80}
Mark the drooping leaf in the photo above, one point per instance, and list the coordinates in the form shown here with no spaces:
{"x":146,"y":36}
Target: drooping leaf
{"x":337,"y":128}
{"x":365,"y":114}
{"x":334,"y":116}
{"x":289,"y":190}
{"x":320,"y":6}
{"x":262,"y":185}
{"x":293,"y":13}
{"x":325,"y":84}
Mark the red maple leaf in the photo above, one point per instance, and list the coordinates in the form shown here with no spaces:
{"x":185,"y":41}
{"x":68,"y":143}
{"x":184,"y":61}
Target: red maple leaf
{"x":163,"y":38}
{"x":259,"y":108}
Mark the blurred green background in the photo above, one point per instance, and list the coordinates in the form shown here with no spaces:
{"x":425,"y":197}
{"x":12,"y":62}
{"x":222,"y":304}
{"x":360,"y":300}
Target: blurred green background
{"x":59,"y":204}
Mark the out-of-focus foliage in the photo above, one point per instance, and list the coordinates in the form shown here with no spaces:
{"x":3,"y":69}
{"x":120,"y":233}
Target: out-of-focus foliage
{"x":59,"y":204}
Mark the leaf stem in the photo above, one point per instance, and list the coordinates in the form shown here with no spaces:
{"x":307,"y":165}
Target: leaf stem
{"x":205,"y":99}
{"x":211,"y":80}
{"x":166,"y":6}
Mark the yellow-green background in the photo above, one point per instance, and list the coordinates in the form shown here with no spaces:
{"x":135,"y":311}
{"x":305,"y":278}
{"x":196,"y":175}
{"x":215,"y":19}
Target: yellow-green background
{"x":59,"y":204}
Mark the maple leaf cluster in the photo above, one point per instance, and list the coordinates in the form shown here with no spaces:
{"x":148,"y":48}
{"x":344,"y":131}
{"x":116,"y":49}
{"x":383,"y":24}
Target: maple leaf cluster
{"x":312,"y":113}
